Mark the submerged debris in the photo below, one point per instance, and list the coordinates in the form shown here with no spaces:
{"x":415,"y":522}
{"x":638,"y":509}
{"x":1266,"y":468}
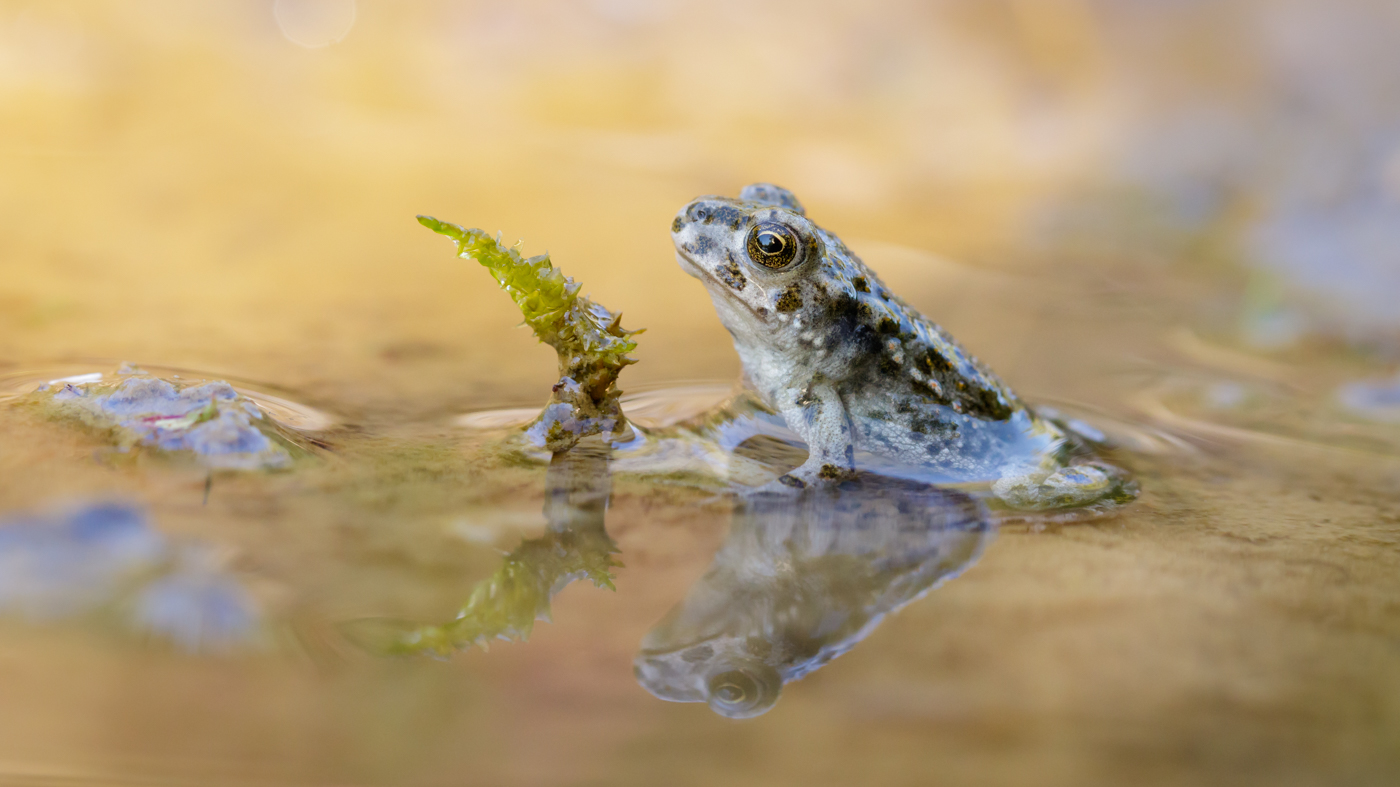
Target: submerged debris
{"x":1377,"y":400}
{"x":222,"y":428}
{"x":106,"y":558}
{"x":590,"y":340}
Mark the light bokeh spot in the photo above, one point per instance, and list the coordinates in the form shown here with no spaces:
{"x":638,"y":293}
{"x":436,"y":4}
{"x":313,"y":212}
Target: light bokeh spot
{"x":314,"y":23}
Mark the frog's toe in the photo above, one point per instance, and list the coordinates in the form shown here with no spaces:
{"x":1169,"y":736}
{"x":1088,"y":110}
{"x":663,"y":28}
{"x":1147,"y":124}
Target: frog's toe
{"x":790,"y":481}
{"x":807,"y":476}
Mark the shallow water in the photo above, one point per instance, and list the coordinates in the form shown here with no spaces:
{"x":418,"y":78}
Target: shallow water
{"x":189,"y":189}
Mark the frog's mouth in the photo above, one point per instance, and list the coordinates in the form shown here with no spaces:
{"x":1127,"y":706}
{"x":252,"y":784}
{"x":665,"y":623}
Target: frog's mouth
{"x":713,"y":283}
{"x":691,"y":266}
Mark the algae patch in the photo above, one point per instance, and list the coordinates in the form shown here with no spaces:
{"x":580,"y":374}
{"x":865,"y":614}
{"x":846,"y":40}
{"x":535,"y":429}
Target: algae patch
{"x":213,"y":422}
{"x":590,"y":340}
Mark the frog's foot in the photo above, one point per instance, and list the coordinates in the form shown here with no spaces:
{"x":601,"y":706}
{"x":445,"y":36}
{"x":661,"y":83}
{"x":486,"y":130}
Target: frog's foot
{"x":810,"y":474}
{"x":1067,"y":487}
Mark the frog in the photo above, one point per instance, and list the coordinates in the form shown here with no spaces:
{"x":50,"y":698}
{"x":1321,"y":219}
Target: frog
{"x":862,"y":377}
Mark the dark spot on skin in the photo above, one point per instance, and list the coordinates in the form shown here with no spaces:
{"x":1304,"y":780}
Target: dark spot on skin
{"x":866,"y":313}
{"x":849,"y":330}
{"x":698,"y":653}
{"x":931,"y":362}
{"x":885,"y":294}
{"x":792,"y":481}
{"x":946,"y":386}
{"x":731,"y":273}
{"x":861,"y":284}
{"x":677,"y":224}
{"x":790,"y":300}
{"x":887,"y":326}
{"x":888,"y":365}
{"x":759,"y":647}
{"x":984,"y":402}
{"x":727,"y":214}
{"x":768,"y":194}
{"x":831,"y":472}
{"x":702,"y":246}
{"x":930,"y":394}
{"x":762,"y":311}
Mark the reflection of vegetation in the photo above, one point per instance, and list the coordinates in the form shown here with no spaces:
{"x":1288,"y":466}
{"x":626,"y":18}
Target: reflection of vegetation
{"x":507,"y":605}
{"x":590,"y":340}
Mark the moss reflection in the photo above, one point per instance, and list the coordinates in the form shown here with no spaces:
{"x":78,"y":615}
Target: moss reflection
{"x":506,"y":605}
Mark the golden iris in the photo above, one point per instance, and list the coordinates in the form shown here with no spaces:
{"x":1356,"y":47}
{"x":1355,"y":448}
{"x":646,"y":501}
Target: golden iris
{"x":772,"y":245}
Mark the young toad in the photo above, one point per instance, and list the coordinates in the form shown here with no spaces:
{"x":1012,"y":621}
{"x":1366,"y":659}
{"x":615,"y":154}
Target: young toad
{"x":857,"y":373}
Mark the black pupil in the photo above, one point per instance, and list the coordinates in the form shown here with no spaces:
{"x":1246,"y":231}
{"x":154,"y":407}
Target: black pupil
{"x":771,"y":243}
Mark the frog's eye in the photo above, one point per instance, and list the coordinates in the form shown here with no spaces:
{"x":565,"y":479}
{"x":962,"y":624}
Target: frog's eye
{"x":772,"y":245}
{"x":743,"y":693}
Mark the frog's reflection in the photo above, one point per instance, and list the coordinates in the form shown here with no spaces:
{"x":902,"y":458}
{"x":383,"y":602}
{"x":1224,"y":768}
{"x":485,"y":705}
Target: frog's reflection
{"x":801,"y":579}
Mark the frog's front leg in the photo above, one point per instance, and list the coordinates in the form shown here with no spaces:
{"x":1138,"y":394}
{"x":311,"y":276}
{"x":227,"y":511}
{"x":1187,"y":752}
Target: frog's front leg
{"x":817,"y":414}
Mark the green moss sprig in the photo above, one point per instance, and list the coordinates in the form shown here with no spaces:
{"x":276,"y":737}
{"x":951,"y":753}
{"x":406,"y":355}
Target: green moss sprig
{"x":590,"y":340}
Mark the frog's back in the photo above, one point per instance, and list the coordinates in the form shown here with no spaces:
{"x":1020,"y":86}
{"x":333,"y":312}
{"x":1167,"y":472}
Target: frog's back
{"x":917,"y":397}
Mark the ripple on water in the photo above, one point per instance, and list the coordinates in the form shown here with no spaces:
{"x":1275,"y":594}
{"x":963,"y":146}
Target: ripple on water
{"x":1359,"y":417}
{"x":705,"y":434}
{"x":650,"y":408}
{"x":720,"y":436}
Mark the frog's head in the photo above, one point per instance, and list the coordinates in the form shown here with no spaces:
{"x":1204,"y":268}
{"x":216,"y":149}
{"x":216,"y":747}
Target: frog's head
{"x":720,"y":672}
{"x":753,"y":253}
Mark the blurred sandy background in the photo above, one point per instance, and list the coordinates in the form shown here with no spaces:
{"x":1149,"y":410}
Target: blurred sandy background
{"x":191,"y":184}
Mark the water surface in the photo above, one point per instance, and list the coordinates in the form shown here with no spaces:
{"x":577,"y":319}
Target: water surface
{"x":1076,"y":194}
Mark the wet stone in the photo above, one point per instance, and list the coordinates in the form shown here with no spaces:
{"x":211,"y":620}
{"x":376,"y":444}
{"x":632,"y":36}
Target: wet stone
{"x":211,"y":421}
